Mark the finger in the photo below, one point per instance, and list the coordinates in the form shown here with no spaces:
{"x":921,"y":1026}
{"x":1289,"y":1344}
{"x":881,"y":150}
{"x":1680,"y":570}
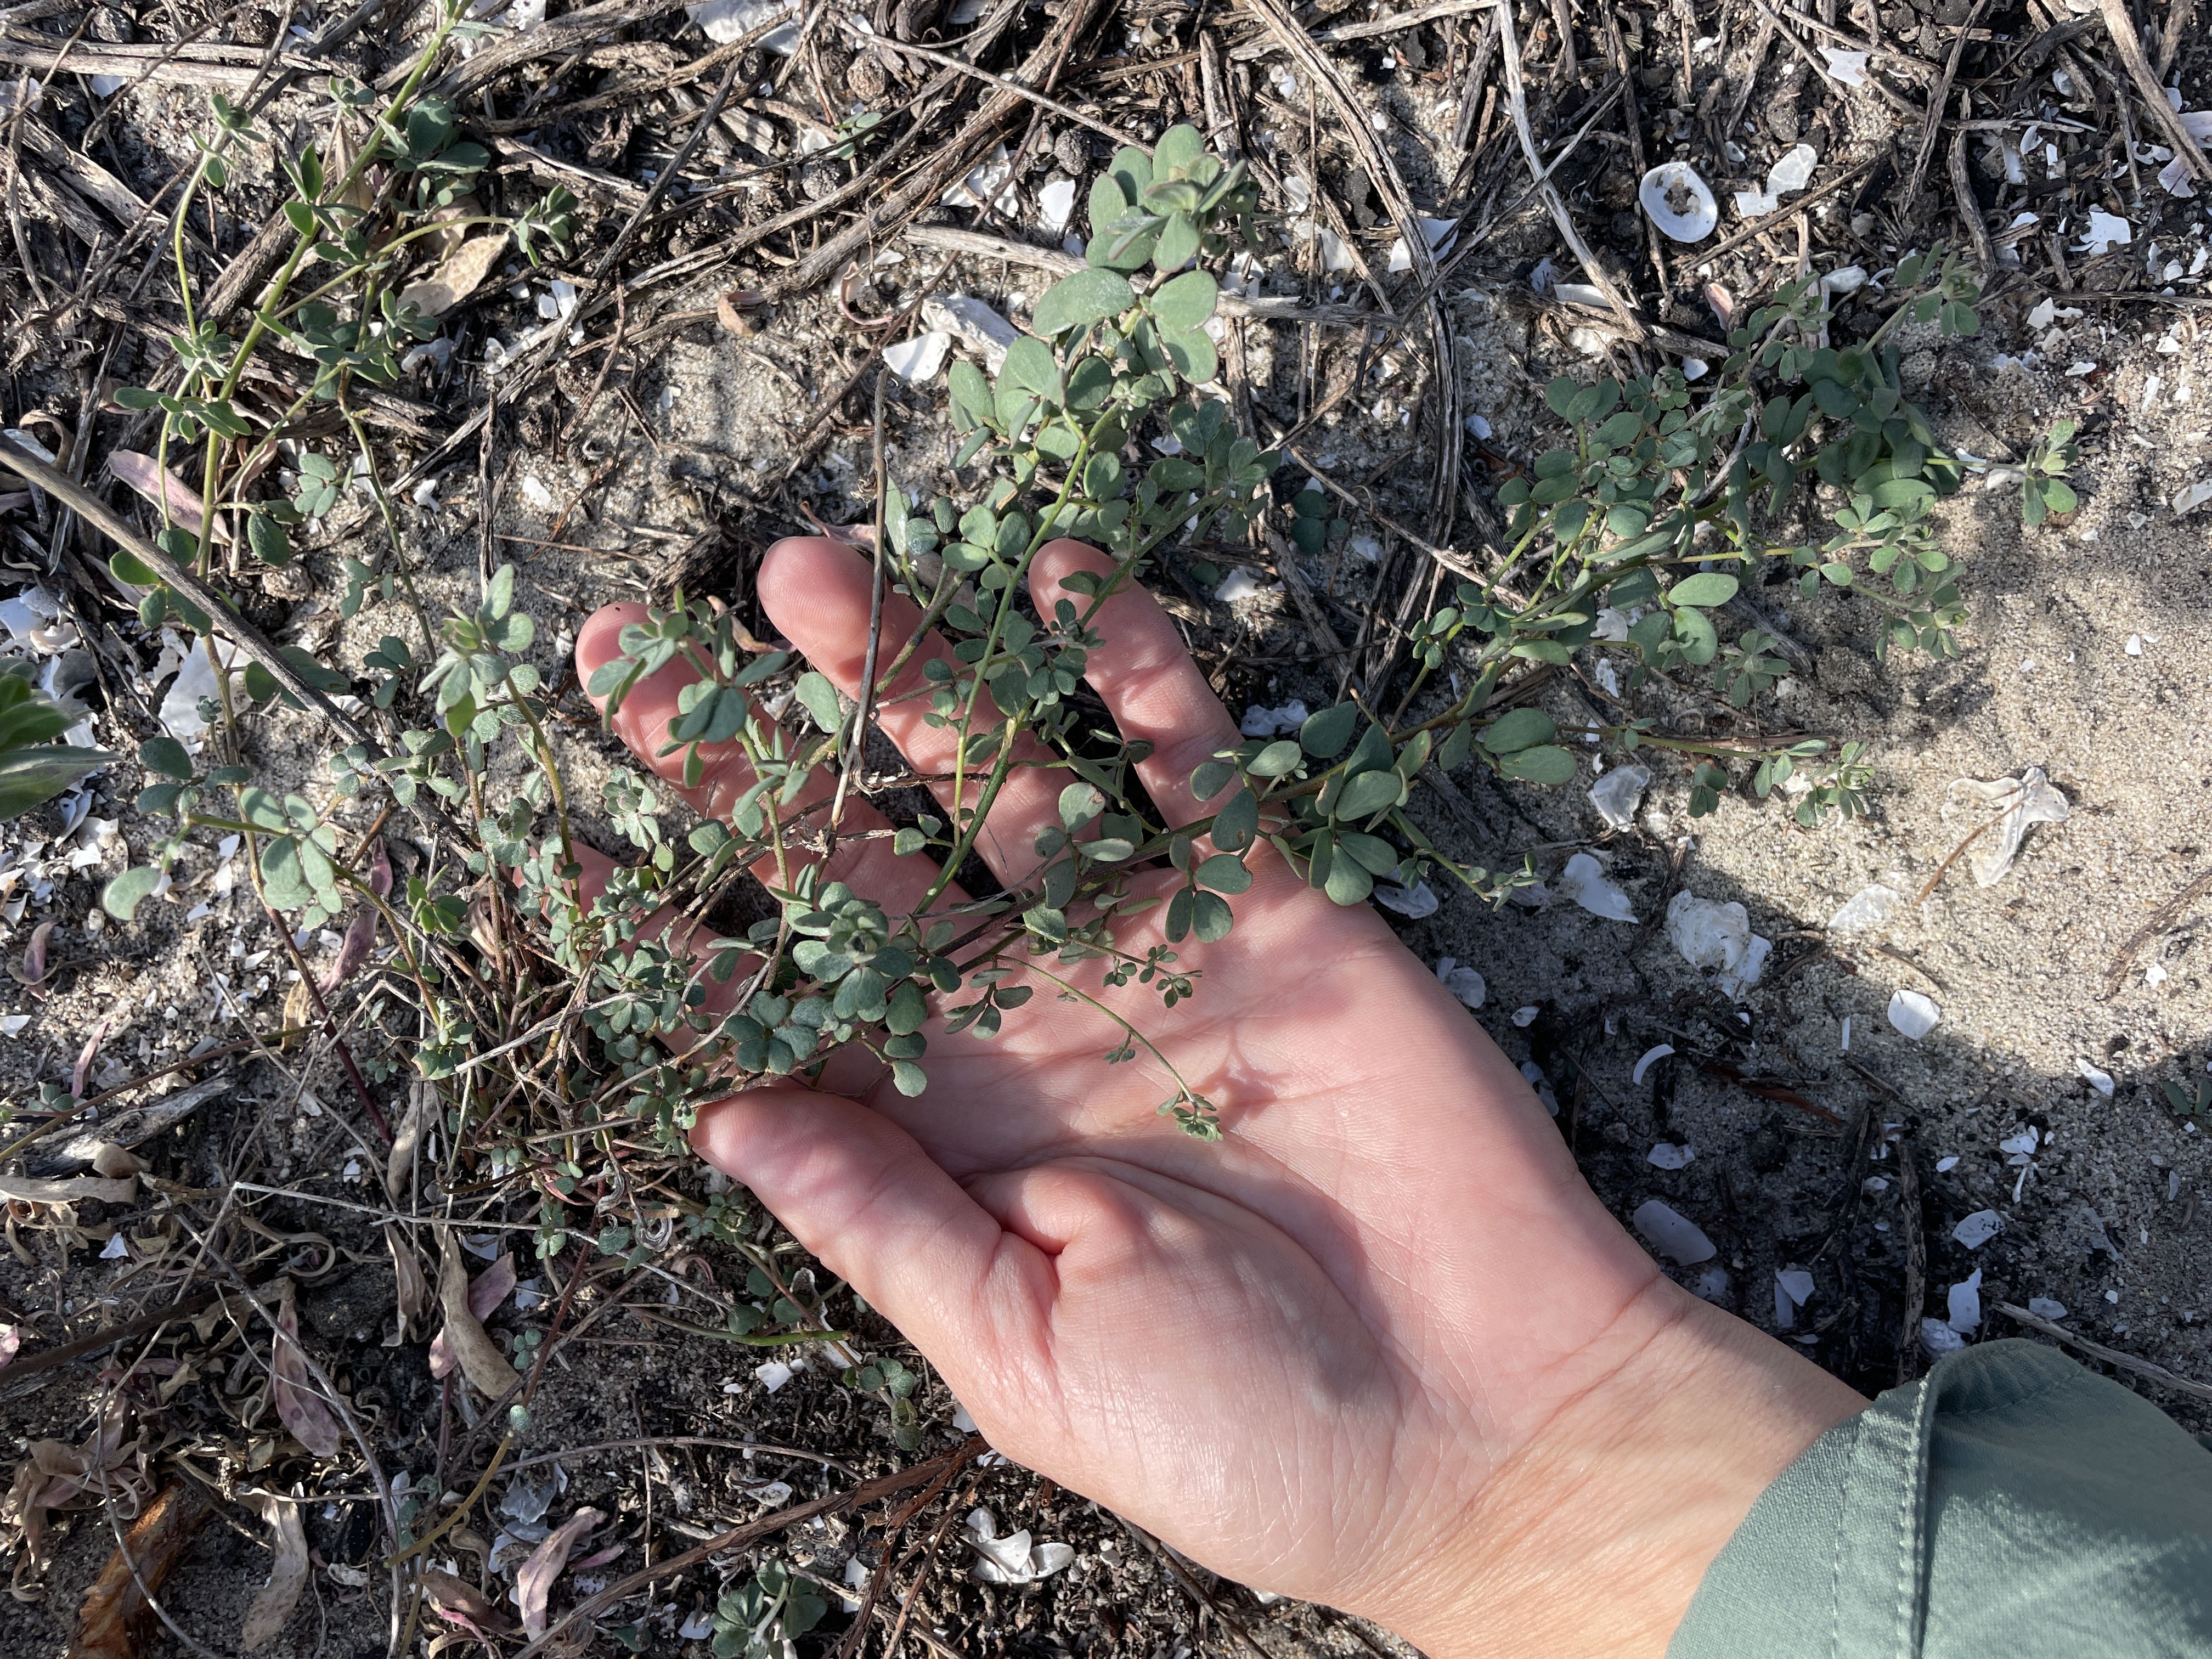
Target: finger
{"x":643,"y":719}
{"x":868,"y":865}
{"x":1145,"y":675}
{"x":694,"y":943}
{"x":817,"y":592}
{"x":859,"y":1193}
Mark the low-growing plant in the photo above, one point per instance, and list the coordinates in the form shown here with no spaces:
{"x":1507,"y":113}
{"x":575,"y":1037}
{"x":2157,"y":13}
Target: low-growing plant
{"x":1101,"y":423}
{"x":755,"y":1620}
{"x":2043,"y":488}
{"x":557,"y":1039}
{"x":35,"y":764}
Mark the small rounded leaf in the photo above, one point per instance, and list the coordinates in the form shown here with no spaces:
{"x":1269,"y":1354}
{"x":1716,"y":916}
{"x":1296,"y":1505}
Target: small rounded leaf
{"x":1704,"y":591}
{"x":1192,"y":352}
{"x":1368,"y":793}
{"x":1546,"y":764}
{"x":1210,"y":917}
{"x":1348,"y":881}
{"x":129,"y":891}
{"x":1086,"y":297}
{"x":1234,"y":825}
{"x":268,"y":540}
{"x":1184,"y":303}
{"x":1517,"y":729}
{"x":1324,"y":735}
{"x":166,"y":757}
{"x":1224,"y":873}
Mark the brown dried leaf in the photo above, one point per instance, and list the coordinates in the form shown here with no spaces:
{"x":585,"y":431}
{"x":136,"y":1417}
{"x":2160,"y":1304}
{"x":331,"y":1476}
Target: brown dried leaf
{"x":298,"y":1007}
{"x":115,"y":1614}
{"x":85,"y":1057}
{"x":422,"y":1107}
{"x":464,"y":1604}
{"x":361,"y":932}
{"x":288,"y":1573}
{"x":535,"y":1582}
{"x":299,"y":1406}
{"x":452,"y":229}
{"x":344,"y":150}
{"x":741,"y":310}
{"x":22,"y":1189}
{"x":491,"y":1287}
{"x":34,"y":955}
{"x":486,"y":1291}
{"x":413,"y":1288}
{"x":113,"y":1161}
{"x":481,"y":1361}
{"x":457,"y":276}
{"x":352,"y":950}
{"x":145,"y":474}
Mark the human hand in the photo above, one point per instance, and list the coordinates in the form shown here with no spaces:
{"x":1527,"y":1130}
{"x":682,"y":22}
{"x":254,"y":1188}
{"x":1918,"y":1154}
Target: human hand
{"x":1380,"y":1347}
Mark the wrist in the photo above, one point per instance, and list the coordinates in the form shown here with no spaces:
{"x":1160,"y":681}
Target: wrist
{"x":1592,"y":1536}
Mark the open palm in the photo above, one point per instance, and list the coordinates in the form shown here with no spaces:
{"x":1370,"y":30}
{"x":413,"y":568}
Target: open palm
{"x":1302,"y":1354}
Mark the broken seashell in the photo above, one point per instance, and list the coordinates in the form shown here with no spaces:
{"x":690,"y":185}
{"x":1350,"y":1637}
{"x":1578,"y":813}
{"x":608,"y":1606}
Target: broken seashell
{"x":2014,"y":803}
{"x":1461,"y":981}
{"x":1870,"y":906}
{"x":1848,"y":67}
{"x":1615,"y":794}
{"x":1978,"y":1229}
{"x":918,"y":360}
{"x":1678,"y":202}
{"x":1583,"y":881}
{"x":1913,"y":1014}
{"x":1675,"y":1235}
{"x":974,"y":324}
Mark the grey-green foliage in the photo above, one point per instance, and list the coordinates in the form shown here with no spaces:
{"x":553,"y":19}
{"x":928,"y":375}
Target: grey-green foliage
{"x":356,"y":234}
{"x":755,"y":1620}
{"x":2043,"y":488}
{"x":1101,"y":424}
{"x":35,"y":765}
{"x":2191,"y":1099}
{"x":1660,"y":503}
{"x":1049,"y":442}
{"x":892,"y":1383}
{"x":1666,"y":499}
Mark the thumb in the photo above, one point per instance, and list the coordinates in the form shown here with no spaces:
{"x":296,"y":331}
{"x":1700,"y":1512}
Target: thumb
{"x":859,"y":1192}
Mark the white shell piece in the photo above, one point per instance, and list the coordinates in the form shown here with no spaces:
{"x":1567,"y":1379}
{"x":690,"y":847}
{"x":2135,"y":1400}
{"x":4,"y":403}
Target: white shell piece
{"x":1678,"y":202}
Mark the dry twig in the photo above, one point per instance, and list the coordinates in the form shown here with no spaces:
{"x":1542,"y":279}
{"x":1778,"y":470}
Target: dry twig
{"x":2126,"y":1362}
{"x":2125,"y":42}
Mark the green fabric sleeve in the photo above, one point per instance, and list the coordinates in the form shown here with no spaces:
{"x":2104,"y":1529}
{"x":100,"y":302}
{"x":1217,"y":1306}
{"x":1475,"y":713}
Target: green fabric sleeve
{"x":2011,"y":1505}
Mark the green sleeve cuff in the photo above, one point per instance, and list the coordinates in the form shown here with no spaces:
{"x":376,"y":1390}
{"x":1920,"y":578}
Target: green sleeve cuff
{"x":2011,"y":1504}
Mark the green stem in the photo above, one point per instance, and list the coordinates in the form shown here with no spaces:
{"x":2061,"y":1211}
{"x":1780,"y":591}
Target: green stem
{"x":390,"y":528}
{"x":1133,"y":1033}
{"x":449,"y":14}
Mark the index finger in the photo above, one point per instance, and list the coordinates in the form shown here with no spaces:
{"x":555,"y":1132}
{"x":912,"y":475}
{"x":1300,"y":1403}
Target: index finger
{"x":865,"y":858}
{"x":1145,"y":675}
